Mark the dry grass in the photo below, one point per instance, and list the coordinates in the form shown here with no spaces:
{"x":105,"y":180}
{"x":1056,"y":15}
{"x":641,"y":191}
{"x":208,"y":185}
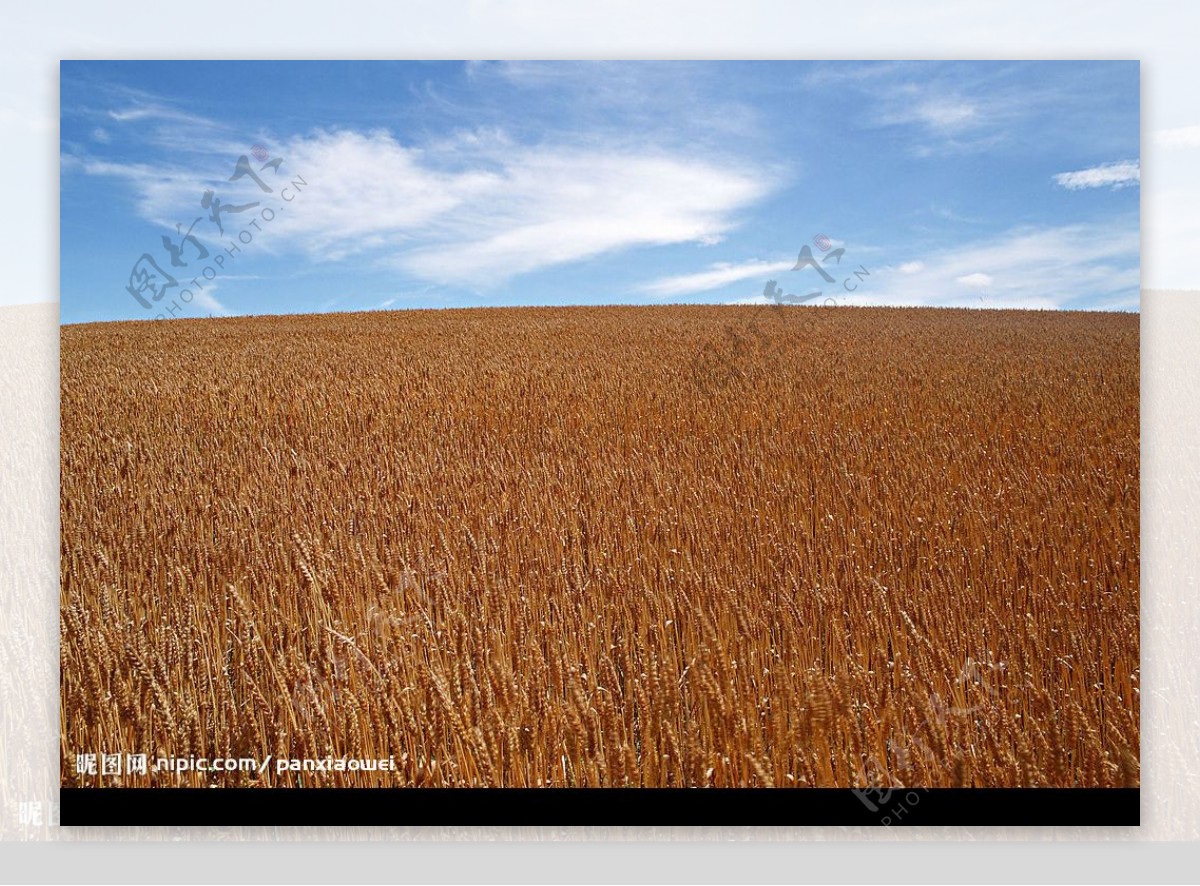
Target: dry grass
{"x":607,"y":546}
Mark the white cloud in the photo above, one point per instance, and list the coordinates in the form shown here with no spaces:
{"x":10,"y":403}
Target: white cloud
{"x":1055,"y":267}
{"x":1072,"y":266}
{"x":946,"y":114}
{"x":1180,"y":137}
{"x":941,"y":115}
{"x":131,"y":114}
{"x":1114,"y":175}
{"x":164,"y":195}
{"x":204,"y":300}
{"x":714,"y":277}
{"x":552,"y":206}
{"x":975,"y":281}
{"x":476,"y":210}
{"x":154,"y":111}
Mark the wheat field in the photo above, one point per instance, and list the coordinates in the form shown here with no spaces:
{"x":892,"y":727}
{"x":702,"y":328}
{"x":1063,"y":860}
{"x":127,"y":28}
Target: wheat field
{"x":654,"y":546}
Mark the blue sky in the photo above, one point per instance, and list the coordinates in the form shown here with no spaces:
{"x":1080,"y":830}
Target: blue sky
{"x":452,"y":184}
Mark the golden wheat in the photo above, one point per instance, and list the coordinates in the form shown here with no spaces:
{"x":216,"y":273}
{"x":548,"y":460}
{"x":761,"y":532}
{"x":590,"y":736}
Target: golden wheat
{"x":606,"y":546}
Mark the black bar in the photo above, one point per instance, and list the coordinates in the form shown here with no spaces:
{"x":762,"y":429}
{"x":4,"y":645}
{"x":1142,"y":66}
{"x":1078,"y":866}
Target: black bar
{"x":598,"y":806}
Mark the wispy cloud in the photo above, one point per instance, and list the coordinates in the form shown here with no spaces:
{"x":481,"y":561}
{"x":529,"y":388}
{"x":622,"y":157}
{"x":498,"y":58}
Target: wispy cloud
{"x":946,"y":114}
{"x":1122,"y":174}
{"x":204,"y":300}
{"x":946,"y":108}
{"x":1047,"y":267}
{"x":480,"y":209}
{"x":164,"y":195}
{"x":153,"y":111}
{"x":679,"y":101}
{"x":946,"y":213}
{"x":160,"y":126}
{"x":945,"y":117}
{"x":714,"y":277}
